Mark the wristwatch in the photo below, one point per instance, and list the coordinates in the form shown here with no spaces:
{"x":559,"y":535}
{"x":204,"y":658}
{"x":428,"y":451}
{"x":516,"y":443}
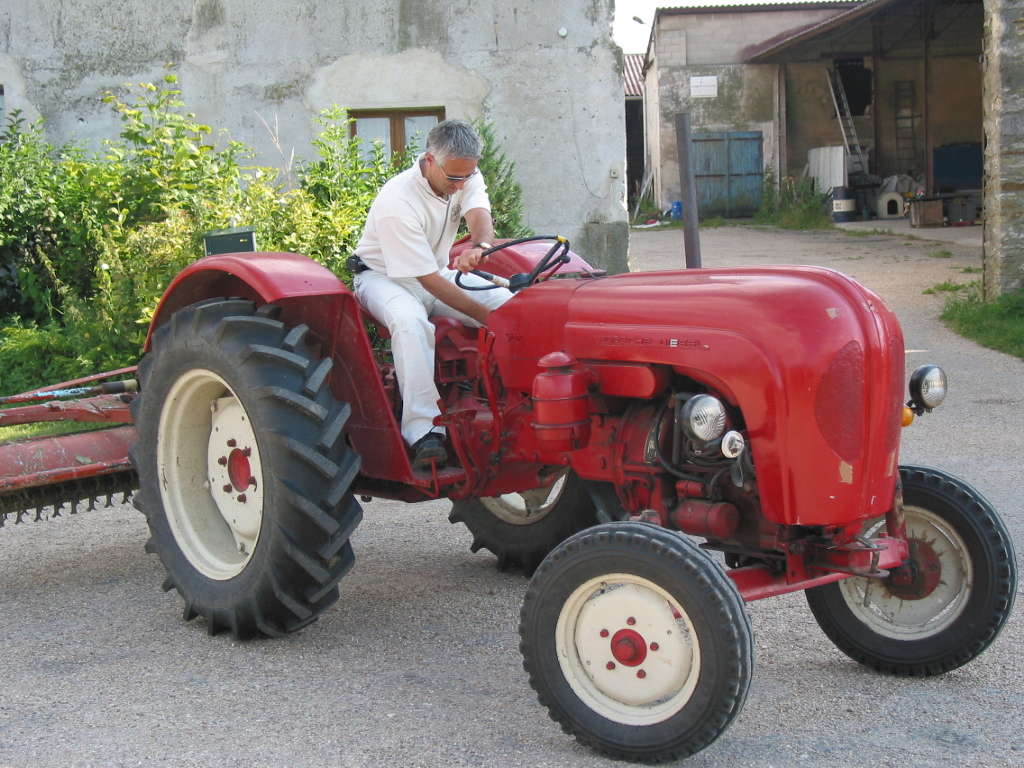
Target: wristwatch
{"x":483,"y":246}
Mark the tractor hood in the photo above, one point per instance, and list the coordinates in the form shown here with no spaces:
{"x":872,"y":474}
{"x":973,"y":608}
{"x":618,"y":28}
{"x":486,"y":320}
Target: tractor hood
{"x":813,"y":359}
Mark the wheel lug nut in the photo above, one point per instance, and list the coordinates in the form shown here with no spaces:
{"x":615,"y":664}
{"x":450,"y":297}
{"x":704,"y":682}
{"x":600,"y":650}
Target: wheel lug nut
{"x":252,"y":481}
{"x":654,"y":646}
{"x":610,"y":665}
{"x":631,"y":621}
{"x":241,"y":497}
{"x":246,"y":451}
{"x":604,"y":633}
{"x":222,"y":460}
{"x":641,"y":674}
{"x":227,"y":489}
{"x":232,"y":443}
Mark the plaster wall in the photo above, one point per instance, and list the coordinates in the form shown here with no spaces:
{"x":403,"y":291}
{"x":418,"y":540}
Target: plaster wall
{"x":690,"y":45}
{"x":723,"y":38}
{"x":746,"y":101}
{"x":263,"y":70}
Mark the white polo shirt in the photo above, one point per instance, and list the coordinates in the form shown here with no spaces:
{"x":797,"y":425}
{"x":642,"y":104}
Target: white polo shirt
{"x":410,"y":230}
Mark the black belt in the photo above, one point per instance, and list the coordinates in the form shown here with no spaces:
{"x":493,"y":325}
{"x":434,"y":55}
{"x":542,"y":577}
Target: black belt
{"x":355,"y":265}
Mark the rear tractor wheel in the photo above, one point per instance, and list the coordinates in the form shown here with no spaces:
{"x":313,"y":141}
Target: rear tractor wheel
{"x":946,"y":604}
{"x":244,"y":470}
{"x":521,"y":528}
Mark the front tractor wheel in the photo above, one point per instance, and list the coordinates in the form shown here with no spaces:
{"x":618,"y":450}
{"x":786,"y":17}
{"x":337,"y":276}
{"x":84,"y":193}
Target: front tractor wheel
{"x":243,"y":468}
{"x":637,"y":642}
{"x":521,"y":528}
{"x":946,"y":604}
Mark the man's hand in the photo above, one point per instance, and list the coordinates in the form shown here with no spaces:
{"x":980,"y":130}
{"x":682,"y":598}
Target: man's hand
{"x":471,"y":258}
{"x":454,"y":297}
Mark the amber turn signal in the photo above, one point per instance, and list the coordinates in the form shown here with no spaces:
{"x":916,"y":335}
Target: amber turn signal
{"x":908,"y":417}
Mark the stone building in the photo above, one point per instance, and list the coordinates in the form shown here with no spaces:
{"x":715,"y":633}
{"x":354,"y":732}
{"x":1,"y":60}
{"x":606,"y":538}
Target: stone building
{"x":932,"y":86}
{"x":547,"y":75}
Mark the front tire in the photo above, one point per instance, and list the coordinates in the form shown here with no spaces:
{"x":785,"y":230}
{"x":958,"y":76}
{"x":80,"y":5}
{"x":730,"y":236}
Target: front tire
{"x":244,"y":470}
{"x":947,"y":604}
{"x":521,"y":528}
{"x":637,"y":642}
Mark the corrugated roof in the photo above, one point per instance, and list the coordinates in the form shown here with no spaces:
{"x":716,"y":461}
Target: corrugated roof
{"x":801,"y":5}
{"x":776,"y":45}
{"x":633,"y":70}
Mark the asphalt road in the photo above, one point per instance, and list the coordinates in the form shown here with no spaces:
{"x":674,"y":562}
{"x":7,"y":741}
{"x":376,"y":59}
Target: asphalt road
{"x":418,"y":664}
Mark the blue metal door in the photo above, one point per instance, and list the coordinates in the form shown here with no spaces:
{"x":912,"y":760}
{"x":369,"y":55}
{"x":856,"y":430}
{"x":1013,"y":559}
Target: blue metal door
{"x":729,"y":171}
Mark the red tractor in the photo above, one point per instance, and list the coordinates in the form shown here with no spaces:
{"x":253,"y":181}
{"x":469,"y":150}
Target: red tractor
{"x":656,"y":448}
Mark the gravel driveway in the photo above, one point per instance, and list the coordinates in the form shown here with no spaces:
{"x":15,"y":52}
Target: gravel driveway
{"x":418,"y":663}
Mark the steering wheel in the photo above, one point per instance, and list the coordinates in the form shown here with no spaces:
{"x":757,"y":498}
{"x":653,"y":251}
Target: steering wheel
{"x":556,"y":256}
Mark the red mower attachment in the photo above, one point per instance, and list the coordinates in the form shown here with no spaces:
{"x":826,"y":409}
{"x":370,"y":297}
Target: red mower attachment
{"x":37,"y":473}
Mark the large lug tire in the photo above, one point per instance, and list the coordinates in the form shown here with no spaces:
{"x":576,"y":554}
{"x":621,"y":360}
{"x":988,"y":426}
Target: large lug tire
{"x":521,"y":528}
{"x":637,"y":642}
{"x":244,"y":470}
{"x":947,"y":604}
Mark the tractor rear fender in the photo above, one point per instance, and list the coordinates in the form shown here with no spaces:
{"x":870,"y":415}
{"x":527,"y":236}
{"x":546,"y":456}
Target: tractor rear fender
{"x":311,"y":294}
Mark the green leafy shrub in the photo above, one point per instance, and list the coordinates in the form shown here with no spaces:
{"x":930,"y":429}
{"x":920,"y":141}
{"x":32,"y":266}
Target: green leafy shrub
{"x":88,"y":244}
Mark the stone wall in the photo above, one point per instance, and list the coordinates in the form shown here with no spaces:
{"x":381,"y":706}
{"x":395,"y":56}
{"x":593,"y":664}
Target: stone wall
{"x":548,"y":76}
{"x":1003,"y":84}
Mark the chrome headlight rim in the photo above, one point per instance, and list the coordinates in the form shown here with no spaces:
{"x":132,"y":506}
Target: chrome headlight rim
{"x":703,"y":418}
{"x":928,"y":387}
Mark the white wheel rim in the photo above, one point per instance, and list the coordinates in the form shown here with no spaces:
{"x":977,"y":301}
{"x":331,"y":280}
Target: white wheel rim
{"x":526,"y":507}
{"x":211,"y":478}
{"x":890,"y":615}
{"x":660,"y":678}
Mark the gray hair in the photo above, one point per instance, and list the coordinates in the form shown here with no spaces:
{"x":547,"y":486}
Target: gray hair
{"x":454,"y":138}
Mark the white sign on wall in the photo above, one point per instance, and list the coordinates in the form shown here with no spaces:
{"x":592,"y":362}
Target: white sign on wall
{"x":704,"y":87}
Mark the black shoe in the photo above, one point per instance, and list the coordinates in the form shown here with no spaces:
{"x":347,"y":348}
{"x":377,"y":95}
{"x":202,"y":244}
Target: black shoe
{"x":429,"y":449}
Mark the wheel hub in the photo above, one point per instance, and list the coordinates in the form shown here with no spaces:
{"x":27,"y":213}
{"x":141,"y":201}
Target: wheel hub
{"x":210,"y":474}
{"x":627,"y":652}
{"x":231,"y":457}
{"x":920,"y":576}
{"x":629,"y":647}
{"x":925,"y":596}
{"x":526,"y":507}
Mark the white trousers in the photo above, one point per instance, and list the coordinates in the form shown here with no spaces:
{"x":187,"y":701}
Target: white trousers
{"x":404,"y":306}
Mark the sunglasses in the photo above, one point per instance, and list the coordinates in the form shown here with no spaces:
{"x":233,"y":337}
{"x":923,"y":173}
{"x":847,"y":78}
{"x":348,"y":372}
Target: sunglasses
{"x":456,"y":179}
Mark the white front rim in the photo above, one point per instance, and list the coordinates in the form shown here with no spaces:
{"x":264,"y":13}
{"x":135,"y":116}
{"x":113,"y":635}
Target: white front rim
{"x":211,"y":477}
{"x":657,"y":675}
{"x":526,"y":507}
{"x":890,"y":615}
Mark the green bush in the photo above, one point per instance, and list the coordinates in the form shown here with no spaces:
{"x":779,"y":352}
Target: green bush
{"x":89,"y":243}
{"x":792,"y":204}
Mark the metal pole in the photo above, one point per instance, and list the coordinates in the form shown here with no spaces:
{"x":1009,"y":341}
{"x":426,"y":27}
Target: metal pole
{"x":688,"y":191}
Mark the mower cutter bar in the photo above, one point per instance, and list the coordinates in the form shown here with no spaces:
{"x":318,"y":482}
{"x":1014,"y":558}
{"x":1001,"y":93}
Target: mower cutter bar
{"x":69,"y":468}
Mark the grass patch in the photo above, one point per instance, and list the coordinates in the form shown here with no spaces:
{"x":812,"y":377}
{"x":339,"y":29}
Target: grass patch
{"x":946,"y":286}
{"x":793,"y":204}
{"x":941,"y":254}
{"x":971,"y":270}
{"x":48,"y":429}
{"x":995,"y":324}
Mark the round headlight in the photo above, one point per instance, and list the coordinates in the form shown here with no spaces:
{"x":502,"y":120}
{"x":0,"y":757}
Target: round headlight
{"x":704,"y":417}
{"x":928,"y":386}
